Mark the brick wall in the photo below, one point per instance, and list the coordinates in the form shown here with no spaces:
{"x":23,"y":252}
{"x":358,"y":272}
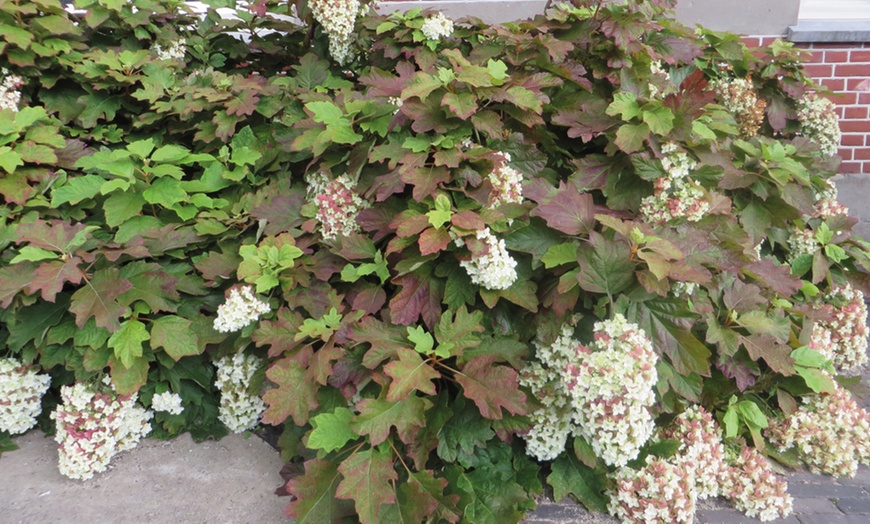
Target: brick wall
{"x":844,"y":69}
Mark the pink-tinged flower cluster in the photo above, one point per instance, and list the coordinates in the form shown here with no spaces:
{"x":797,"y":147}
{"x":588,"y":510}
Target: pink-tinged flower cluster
{"x":754,"y":489}
{"x":739,"y":98}
{"x":819,"y":122}
{"x":611,"y":387}
{"x":10,"y":96}
{"x":338,"y":204}
{"x":338,"y":18}
{"x":676,"y":195}
{"x":240,"y":309}
{"x":827,"y":204}
{"x":701,"y":450}
{"x":176,"y":50}
{"x":507,"y":182}
{"x":494,"y":270}
{"x":847,"y":327}
{"x":21,"y":390}
{"x":553,"y":422}
{"x":830,"y":432}
{"x":93,"y":425}
{"x":660,"y":493}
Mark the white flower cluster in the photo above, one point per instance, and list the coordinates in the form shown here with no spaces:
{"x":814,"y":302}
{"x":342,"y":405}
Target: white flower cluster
{"x":437,"y":26}
{"x":611,"y":390}
{"x":827,"y":204}
{"x":660,"y":493}
{"x":754,"y":489}
{"x":338,"y":204}
{"x":847,"y":328}
{"x":507,"y":182}
{"x":338,"y":18}
{"x":175,"y":51}
{"x":739,"y":98}
{"x":240,"y":309}
{"x":239,"y":410}
{"x":819,"y":122}
{"x":830,"y":432}
{"x":676,"y":195}
{"x":10,"y":96}
{"x":801,"y":242}
{"x":494,"y":270}
{"x":552,"y":423}
{"x":93,"y":425}
{"x":21,"y":390}
{"x":169,"y":402}
{"x":656,"y":69}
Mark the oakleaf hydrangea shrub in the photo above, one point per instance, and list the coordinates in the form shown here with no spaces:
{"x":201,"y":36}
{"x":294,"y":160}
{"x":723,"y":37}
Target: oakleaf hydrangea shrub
{"x":450,"y":262}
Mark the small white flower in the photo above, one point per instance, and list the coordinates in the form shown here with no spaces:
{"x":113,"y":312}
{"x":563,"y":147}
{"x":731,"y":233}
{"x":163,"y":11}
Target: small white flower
{"x":819,"y":122}
{"x":240,"y":309}
{"x":494,"y":270}
{"x":169,"y":402}
{"x":175,"y":51}
{"x":437,"y":26}
{"x":338,"y":18}
{"x":10,"y":96}
{"x":239,"y":410}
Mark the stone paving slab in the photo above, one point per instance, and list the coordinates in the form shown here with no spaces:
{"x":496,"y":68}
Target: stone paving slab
{"x":231,"y":481}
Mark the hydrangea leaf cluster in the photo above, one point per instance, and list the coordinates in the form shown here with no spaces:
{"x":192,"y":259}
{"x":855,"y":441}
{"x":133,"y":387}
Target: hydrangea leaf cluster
{"x":21,"y":390}
{"x":424,"y":222}
{"x":93,"y":425}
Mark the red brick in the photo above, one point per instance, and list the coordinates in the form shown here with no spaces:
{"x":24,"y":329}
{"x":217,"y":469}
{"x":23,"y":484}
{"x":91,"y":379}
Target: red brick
{"x":836,"y":57}
{"x":866,"y":167}
{"x":852,"y":70}
{"x":834,"y":84}
{"x":815,"y":57}
{"x":853,"y":140}
{"x":846,"y":152}
{"x":855,"y":126}
{"x":827,"y":46}
{"x":767,"y":40}
{"x":859,"y":55}
{"x":840,"y":111}
{"x":855,"y":112}
{"x":858,"y":84}
{"x":751,"y":41}
{"x":850,"y":167}
{"x":819,"y":70}
{"x":862,"y":154}
{"x":867,"y":140}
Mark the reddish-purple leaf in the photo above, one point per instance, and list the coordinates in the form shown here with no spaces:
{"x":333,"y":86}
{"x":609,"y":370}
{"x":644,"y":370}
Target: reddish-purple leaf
{"x":778,"y":278}
{"x":433,"y":240}
{"x":295,"y":396}
{"x":467,"y":220}
{"x":420,"y":296}
{"x":492,"y":387}
{"x":279,"y":334}
{"x":776,"y":355}
{"x":370,"y":299}
{"x":15,"y":188}
{"x":50,"y":277}
{"x":54,"y":236}
{"x":313,"y":494}
{"x":13,"y":279}
{"x":97,"y":298}
{"x":368,"y":481}
{"x":385,"y":340}
{"x":410,"y":373}
{"x":569,"y":211}
{"x":376,"y":417}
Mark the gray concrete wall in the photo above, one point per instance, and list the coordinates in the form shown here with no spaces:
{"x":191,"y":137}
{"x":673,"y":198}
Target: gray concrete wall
{"x":747,"y":17}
